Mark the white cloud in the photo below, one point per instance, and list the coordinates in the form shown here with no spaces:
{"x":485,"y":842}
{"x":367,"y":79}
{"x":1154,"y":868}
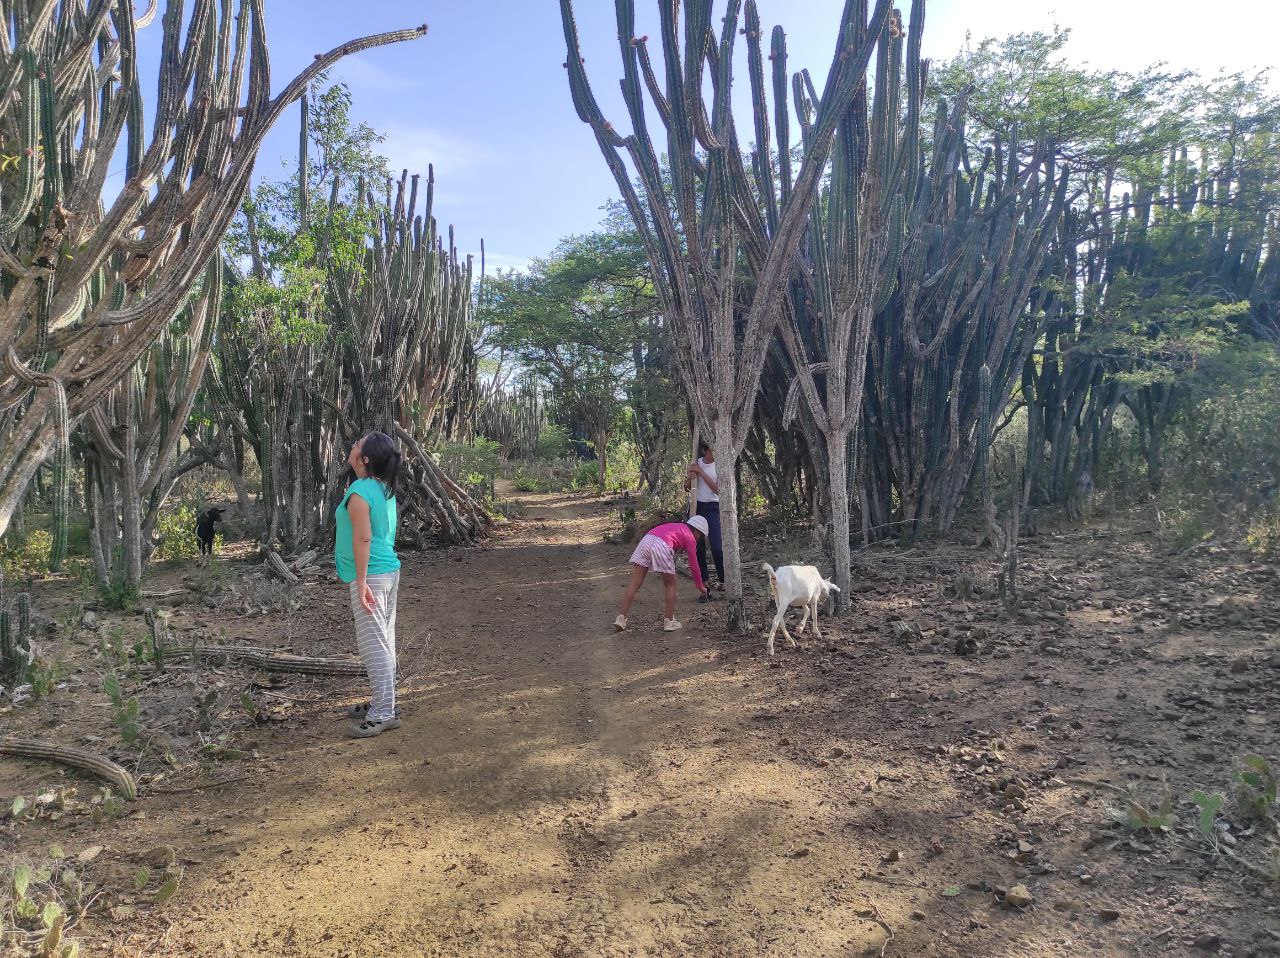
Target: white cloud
{"x":363,"y":73}
{"x":496,"y":260}
{"x":453,"y":156}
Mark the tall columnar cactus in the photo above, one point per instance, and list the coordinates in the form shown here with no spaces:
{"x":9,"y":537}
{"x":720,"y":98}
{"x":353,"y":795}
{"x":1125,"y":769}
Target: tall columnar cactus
{"x":8,"y":658}
{"x":986,"y":433}
{"x":387,"y":346}
{"x":971,"y":292}
{"x":721,"y":240}
{"x":91,"y":279}
{"x":403,"y":323}
{"x":135,"y":432}
{"x":857,"y":232}
{"x":1185,"y":237}
{"x":513,"y":419}
{"x":15,"y":641}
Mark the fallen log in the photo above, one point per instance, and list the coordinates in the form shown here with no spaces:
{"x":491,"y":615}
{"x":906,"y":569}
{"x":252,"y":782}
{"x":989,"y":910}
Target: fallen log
{"x":78,"y":758}
{"x":305,"y":560}
{"x":280,"y":568}
{"x":268,"y":661}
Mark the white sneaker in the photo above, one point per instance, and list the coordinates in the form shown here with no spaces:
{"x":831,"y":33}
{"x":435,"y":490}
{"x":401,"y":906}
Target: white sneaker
{"x":671,"y":625}
{"x":620,"y":624}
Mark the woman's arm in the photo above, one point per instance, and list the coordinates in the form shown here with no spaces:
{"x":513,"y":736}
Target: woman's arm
{"x":690,"y":543}
{"x":361,"y":540}
{"x":697,"y":470}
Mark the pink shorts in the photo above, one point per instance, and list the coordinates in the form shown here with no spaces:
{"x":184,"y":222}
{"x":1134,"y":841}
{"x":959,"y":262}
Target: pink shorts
{"x":655,"y":555}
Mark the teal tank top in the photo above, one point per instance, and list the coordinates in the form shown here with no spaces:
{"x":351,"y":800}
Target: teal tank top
{"x":382,"y":520}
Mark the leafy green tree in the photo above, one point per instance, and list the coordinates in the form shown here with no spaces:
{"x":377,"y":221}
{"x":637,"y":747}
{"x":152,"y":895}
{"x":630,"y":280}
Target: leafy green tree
{"x":585,"y":319}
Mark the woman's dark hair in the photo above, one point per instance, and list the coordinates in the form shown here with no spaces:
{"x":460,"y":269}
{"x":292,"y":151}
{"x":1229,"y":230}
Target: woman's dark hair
{"x":703,"y":447}
{"x":383,"y":458}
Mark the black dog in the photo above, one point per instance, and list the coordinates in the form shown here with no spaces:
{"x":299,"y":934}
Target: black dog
{"x":205,"y":530}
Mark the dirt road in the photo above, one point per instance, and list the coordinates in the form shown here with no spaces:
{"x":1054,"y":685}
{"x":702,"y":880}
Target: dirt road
{"x":558,"y":791}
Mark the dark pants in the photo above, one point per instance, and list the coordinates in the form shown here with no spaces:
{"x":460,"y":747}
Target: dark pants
{"x":711,"y":512}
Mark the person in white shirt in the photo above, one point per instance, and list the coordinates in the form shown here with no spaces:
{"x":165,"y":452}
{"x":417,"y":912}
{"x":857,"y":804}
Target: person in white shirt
{"x":703,"y":473}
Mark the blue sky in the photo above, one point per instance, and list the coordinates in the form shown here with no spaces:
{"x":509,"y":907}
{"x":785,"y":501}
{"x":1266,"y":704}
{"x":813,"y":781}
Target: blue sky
{"x":484,"y":95}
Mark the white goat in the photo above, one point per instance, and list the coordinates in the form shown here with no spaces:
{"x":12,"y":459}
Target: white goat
{"x":797,"y":585}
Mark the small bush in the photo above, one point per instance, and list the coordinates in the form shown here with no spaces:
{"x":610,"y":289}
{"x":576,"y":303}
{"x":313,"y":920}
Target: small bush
{"x":525,"y":481}
{"x":629,"y":523}
{"x":553,"y":442}
{"x":175,"y":533}
{"x":1263,"y":536}
{"x":1182,"y":527}
{"x":78,"y":544}
{"x":19,"y":560}
{"x":623,"y":466}
{"x":1256,"y":789}
{"x":119,"y":596}
{"x":586,"y":476}
{"x":546,"y":476}
{"x":473,"y":464}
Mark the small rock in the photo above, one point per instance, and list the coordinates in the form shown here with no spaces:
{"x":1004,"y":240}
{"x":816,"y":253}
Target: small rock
{"x":1239,"y":665}
{"x":1018,"y":897}
{"x":917,"y":915}
{"x":1208,"y":942}
{"x":1108,"y":914}
{"x":905,"y":630}
{"x":160,"y":857}
{"x":89,"y":854}
{"x":89,"y":620}
{"x":1067,"y":905}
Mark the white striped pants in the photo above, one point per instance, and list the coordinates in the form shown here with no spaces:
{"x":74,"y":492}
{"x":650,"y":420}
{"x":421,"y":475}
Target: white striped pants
{"x":376,"y":642}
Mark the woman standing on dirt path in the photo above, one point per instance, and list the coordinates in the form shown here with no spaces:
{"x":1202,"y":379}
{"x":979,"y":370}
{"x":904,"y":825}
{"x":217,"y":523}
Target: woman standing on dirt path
{"x":366,"y":558}
{"x":703,"y":473}
{"x":656,"y":552}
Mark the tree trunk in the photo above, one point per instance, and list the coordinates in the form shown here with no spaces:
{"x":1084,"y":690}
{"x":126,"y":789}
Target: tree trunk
{"x":727,"y":454}
{"x":32,"y":441}
{"x":602,"y":464}
{"x":130,"y":488}
{"x":838,"y":459}
{"x":693,"y":486}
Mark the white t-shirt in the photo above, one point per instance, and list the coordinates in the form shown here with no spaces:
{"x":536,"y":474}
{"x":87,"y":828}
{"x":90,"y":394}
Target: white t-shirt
{"x":705,"y":493}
